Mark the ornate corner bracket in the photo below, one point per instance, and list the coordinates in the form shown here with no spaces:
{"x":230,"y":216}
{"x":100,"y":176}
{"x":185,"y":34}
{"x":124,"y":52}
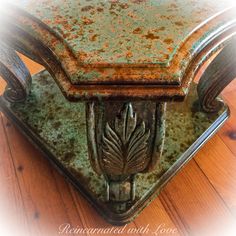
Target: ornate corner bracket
{"x":124,"y":139}
{"x":124,"y":148}
{"x":15,"y":73}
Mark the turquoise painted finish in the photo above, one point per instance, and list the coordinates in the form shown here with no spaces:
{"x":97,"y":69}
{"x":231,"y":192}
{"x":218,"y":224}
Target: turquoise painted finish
{"x":102,"y":38}
{"x":133,"y":32}
{"x":123,"y":31}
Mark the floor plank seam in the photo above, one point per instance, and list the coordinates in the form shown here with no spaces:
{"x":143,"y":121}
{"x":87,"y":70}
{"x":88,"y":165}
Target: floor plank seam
{"x":215,"y":190}
{"x":182,"y":227}
{"x":14,"y":167}
{"x":227,"y":145}
{"x":58,"y":190}
{"x":77,"y":209}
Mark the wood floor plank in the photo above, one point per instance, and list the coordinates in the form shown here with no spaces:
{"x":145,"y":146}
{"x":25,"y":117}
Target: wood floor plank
{"x":229,"y":98}
{"x":230,"y":88}
{"x":2,"y":86}
{"x":91,"y":219}
{"x":41,"y":197}
{"x":32,"y":66}
{"x":68,"y":202}
{"x":196,"y":202}
{"x":11,"y":205}
{"x":228,"y":135}
{"x":158,"y":220}
{"x":219,"y":165}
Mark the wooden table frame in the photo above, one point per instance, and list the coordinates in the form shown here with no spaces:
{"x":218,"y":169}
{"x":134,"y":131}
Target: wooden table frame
{"x":130,"y":141}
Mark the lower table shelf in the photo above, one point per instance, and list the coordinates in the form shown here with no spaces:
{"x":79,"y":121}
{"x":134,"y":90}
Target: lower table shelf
{"x":58,"y":128}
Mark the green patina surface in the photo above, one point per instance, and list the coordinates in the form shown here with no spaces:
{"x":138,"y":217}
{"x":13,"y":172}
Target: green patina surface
{"x":61,"y":126}
{"x":117,"y":42}
{"x":118,"y":31}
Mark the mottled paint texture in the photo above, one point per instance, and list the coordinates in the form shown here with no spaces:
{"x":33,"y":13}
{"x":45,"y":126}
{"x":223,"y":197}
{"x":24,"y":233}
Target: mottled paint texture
{"x":122,"y":42}
{"x":119,"y":31}
{"x":61,"y":126}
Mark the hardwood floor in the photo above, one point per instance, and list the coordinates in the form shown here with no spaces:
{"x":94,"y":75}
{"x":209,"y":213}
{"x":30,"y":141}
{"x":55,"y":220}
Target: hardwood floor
{"x":200,"y":200}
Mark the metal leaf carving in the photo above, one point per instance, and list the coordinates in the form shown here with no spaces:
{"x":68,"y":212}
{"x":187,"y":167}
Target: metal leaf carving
{"x":125,"y":146}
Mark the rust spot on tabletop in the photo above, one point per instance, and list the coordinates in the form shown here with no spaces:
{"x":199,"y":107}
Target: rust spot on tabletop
{"x":87,"y":21}
{"x":152,"y":36}
{"x":168,"y":41}
{"x":148,"y":46}
{"x":93,"y":37}
{"x":179,"y":23}
{"x":87,"y":8}
{"x":129,"y":54}
{"x":99,"y":9}
{"x":137,"y":31}
{"x":161,"y":28}
{"x":139,"y":1}
{"x":124,"y":5}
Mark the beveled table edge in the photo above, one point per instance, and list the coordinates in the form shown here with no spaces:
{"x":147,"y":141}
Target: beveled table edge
{"x":171,"y":74}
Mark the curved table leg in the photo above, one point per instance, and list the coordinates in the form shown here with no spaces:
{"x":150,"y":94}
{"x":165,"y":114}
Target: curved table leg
{"x":216,"y":77}
{"x":15,"y":73}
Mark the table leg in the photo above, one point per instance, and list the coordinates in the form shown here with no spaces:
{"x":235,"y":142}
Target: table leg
{"x":15,"y":73}
{"x":124,"y":138}
{"x":216,"y":77}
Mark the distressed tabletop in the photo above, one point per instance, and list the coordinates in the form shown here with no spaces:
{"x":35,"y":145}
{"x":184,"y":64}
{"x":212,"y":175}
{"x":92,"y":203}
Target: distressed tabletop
{"x":121,"y":44}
